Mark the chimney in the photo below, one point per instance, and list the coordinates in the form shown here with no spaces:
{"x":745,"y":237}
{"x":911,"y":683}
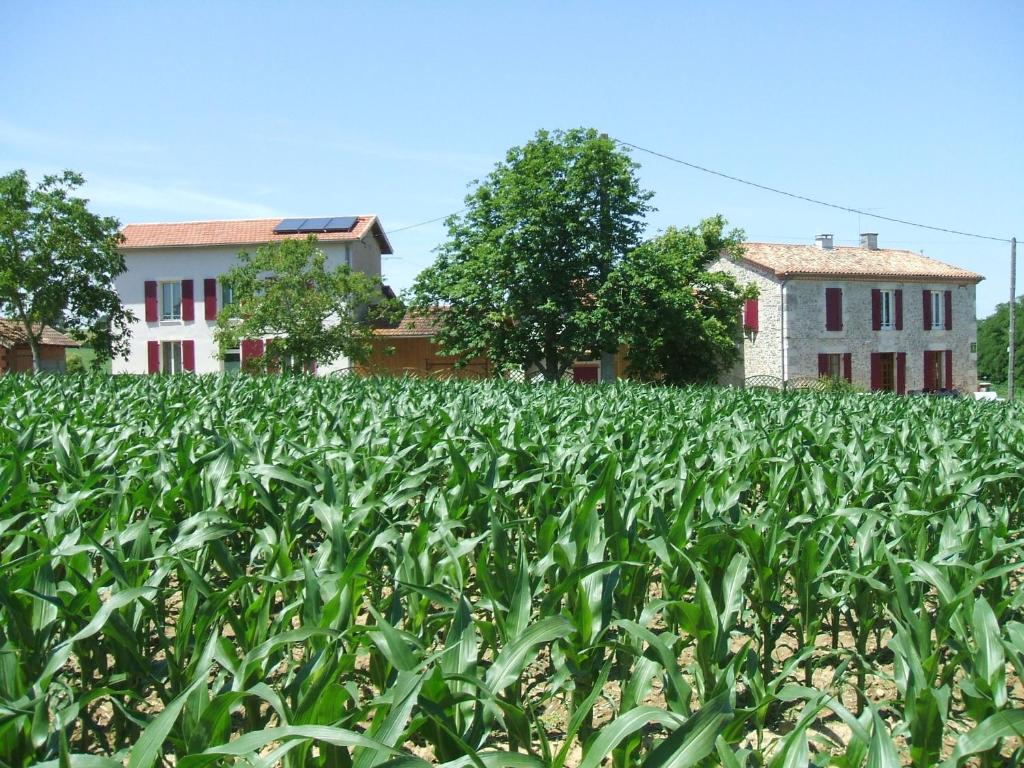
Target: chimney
{"x":869,"y":240}
{"x":824,"y":242}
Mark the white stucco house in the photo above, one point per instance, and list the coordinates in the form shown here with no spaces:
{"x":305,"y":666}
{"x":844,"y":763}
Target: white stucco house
{"x":172,"y":283}
{"x":882,"y":319}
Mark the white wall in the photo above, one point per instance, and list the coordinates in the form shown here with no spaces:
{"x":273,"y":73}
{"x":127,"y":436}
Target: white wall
{"x":198,"y":264}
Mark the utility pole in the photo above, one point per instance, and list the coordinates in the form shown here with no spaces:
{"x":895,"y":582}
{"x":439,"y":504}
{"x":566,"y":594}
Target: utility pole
{"x":1013,"y":318}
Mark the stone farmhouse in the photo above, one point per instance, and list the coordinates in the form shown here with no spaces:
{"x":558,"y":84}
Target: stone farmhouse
{"x":880,"y":318}
{"x":172,"y":283}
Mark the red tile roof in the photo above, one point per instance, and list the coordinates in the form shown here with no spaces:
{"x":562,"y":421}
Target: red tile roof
{"x":185,"y":234}
{"x":841,"y":261}
{"x":414,"y":324}
{"x":12,"y":333}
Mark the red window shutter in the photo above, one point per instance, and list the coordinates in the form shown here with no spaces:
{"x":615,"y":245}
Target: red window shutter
{"x":151,"y":301}
{"x":929,"y":372}
{"x":901,"y":373}
{"x":926,"y":305}
{"x":833,"y":309}
{"x":876,"y":371}
{"x":822,"y":365}
{"x":750,"y":314}
{"x":153,"y":351}
{"x":876,"y":309}
{"x":949,"y":369}
{"x":949,"y":310}
{"x":188,"y":305}
{"x":251,"y":348}
{"x":898,"y":301}
{"x":848,"y":367}
{"x":210,"y":298}
{"x":188,"y":354}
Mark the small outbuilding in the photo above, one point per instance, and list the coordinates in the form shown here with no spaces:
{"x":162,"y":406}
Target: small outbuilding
{"x":16,"y":355}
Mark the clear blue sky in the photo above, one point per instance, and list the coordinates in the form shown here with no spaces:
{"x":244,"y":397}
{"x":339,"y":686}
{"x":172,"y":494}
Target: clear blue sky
{"x":201,"y":110}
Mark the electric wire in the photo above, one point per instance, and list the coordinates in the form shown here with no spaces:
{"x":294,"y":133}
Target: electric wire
{"x":764,"y":187}
{"x":808,"y":199}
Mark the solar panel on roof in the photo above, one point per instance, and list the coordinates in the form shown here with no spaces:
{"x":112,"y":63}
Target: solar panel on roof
{"x":340,"y":224}
{"x":314,"y":225}
{"x":289,"y":226}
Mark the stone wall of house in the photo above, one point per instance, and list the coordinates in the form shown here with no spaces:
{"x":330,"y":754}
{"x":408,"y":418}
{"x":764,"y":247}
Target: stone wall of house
{"x":807,"y":337}
{"x":762,"y":349}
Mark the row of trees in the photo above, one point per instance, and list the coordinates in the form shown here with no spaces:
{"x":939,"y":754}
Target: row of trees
{"x":545,"y":266}
{"x":994,"y":342}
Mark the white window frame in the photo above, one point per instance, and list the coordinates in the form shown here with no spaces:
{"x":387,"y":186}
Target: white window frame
{"x":888,"y":313}
{"x":176,"y":365}
{"x":164,"y":316}
{"x":224,"y":362}
{"x":226,"y":294}
{"x":938,"y":311}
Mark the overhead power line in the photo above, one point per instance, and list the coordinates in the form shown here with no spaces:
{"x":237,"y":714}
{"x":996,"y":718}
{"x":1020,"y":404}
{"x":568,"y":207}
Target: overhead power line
{"x":424,"y":223}
{"x":805,"y":198}
{"x":764,"y":187}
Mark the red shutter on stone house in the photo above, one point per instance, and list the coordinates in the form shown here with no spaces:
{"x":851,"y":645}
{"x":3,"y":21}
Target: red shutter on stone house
{"x":898,"y":300}
{"x":188,"y":301}
{"x":833,"y":309}
{"x":750,"y":314}
{"x":188,"y":354}
{"x":210,"y":298}
{"x":848,"y":367}
{"x":901,"y":373}
{"x":151,"y":308}
{"x":949,"y":369}
{"x":929,"y":372}
{"x":876,"y":309}
{"x":926,"y":309}
{"x":949,"y":310}
{"x":822,"y":365}
{"x":876,"y":371}
{"x":153,"y":352}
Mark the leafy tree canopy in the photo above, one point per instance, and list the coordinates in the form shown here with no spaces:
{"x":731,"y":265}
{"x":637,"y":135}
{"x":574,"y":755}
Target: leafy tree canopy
{"x":58,"y":261}
{"x":312,"y":313}
{"x":680,"y":321}
{"x":993,"y":343}
{"x":523,"y":268}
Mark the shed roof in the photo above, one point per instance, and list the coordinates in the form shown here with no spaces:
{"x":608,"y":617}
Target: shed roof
{"x":190,"y":234}
{"x":785,"y":261}
{"x":422,"y":324}
{"x":12,"y":333}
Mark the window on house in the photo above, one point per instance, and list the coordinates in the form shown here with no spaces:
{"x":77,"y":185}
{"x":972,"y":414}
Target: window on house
{"x":170,"y":300}
{"x":938,"y":321}
{"x":227,"y":294}
{"x":888,"y":310}
{"x":232,"y":361}
{"x":833,"y":366}
{"x":170,"y":357}
{"x":938,"y":371}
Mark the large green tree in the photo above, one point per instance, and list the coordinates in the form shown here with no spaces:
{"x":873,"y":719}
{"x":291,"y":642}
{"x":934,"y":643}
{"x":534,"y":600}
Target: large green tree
{"x":58,"y":261}
{"x":523,"y":268}
{"x":994,"y":340}
{"x":311,"y":312}
{"x":679,"y":320}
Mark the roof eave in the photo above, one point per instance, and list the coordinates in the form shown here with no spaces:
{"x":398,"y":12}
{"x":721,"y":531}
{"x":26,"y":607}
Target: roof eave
{"x":969,"y":278}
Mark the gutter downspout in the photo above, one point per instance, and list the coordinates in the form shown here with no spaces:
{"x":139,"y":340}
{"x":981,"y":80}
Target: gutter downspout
{"x":782,"y":332}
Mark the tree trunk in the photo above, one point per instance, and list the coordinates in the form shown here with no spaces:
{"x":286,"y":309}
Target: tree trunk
{"x":33,"y":344}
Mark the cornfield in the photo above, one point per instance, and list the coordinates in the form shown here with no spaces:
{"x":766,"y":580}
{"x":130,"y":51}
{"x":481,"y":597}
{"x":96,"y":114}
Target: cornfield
{"x":367,"y":572}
